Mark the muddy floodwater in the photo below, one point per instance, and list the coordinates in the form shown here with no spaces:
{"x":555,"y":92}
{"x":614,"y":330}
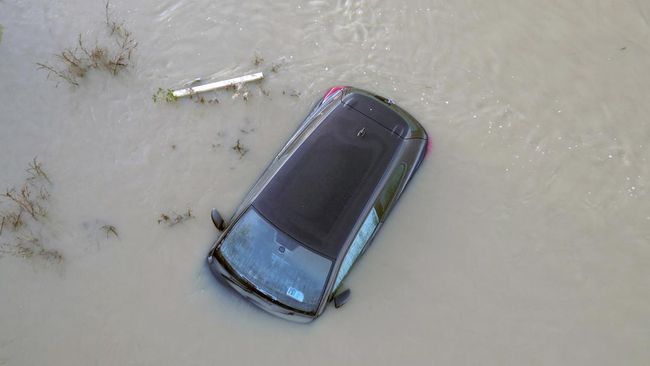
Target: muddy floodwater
{"x":523,"y":240}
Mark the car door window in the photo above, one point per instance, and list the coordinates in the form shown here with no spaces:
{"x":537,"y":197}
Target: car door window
{"x":365,"y":233}
{"x":377,"y":214}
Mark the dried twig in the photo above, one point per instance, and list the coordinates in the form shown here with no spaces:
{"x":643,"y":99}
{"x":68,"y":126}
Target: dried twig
{"x":58,"y":73}
{"x":15,"y":219}
{"x":23,"y":243}
{"x":126,"y":44}
{"x":25,"y":200}
{"x":35,"y":170}
{"x":76,"y":62}
{"x":112,"y":25}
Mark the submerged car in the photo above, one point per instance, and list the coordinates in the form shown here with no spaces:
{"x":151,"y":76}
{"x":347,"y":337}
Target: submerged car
{"x":319,"y":204}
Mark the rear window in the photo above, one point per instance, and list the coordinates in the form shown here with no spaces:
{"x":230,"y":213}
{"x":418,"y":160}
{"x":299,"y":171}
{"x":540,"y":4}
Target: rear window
{"x":274,"y":263}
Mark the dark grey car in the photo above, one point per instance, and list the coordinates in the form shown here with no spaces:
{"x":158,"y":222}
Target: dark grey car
{"x":319,"y":204}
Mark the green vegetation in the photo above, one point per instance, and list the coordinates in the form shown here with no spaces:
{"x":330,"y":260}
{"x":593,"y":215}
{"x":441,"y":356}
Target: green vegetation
{"x":164,"y":95}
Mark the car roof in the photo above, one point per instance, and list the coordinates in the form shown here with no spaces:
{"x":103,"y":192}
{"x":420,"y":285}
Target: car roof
{"x":319,"y":193}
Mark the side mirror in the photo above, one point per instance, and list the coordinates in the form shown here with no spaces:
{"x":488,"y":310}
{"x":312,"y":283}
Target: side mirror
{"x":341,"y":298}
{"x":217,"y":220}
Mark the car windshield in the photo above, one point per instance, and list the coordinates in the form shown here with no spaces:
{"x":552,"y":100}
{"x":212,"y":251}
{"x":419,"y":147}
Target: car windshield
{"x":274,"y":263}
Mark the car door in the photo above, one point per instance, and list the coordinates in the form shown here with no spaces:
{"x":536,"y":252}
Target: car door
{"x":371,"y":222}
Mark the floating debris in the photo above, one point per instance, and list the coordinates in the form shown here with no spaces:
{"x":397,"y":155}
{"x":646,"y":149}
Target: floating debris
{"x":258,"y":60}
{"x":173,"y":218}
{"x":240,"y":149}
{"x":192,"y":82}
{"x":28,"y":247}
{"x":36,"y":171}
{"x":293,"y":93}
{"x":217,"y":85}
{"x":110,"y":230}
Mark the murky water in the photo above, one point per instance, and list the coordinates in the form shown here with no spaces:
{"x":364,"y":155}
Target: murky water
{"x":524,"y":238}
